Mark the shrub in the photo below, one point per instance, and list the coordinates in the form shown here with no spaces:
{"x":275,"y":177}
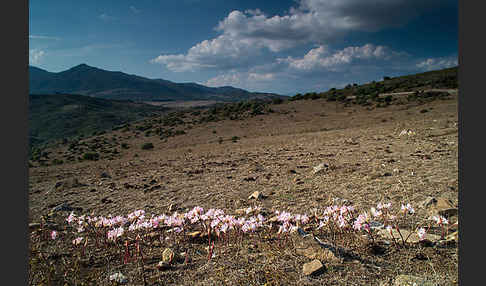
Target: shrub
{"x":277,"y":100}
{"x":235,"y":138}
{"x":57,"y":162}
{"x":125,"y":146}
{"x":147,"y":146}
{"x":91,"y":156}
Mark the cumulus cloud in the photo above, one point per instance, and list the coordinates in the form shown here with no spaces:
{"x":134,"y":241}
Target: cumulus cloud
{"x":221,"y":53}
{"x":246,"y":34}
{"x":437,"y":63}
{"x":35,"y":56}
{"x":320,"y":57}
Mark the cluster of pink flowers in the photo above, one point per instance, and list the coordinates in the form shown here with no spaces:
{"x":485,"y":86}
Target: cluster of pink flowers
{"x":216,"y":221}
{"x":362,"y":222}
{"x":115,"y":233}
{"x":340,"y":216}
{"x":290,"y":222}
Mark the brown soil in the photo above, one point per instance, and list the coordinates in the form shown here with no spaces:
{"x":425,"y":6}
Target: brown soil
{"x":367,"y":160}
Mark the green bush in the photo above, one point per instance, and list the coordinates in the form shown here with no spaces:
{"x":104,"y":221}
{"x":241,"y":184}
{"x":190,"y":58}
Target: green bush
{"x":91,"y":156}
{"x":147,"y":146}
{"x":57,"y":162}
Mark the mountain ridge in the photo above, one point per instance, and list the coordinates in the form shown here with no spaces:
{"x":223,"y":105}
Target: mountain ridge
{"x":92,"y":81}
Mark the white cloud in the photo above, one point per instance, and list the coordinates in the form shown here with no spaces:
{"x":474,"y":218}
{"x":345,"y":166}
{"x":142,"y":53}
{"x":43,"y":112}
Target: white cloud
{"x":38,"y":37}
{"x":35,"y":56}
{"x":437,"y":63}
{"x":221,"y":52}
{"x":107,"y":18}
{"x":321,"y":58}
{"x":134,"y":9}
{"x":245,"y":35}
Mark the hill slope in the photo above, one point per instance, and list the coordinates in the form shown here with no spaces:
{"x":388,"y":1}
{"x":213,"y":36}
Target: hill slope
{"x":53,"y":117}
{"x":92,"y":81}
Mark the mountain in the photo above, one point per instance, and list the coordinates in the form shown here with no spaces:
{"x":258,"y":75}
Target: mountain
{"x":95,"y":82}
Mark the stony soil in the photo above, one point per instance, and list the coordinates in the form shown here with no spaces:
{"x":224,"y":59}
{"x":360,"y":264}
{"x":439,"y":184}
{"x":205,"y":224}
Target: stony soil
{"x":367,"y":162}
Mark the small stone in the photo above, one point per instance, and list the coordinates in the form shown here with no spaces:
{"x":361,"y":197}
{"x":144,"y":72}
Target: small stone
{"x":194,"y":234}
{"x":34,"y":225}
{"x":119,"y":278}
{"x":256,"y":195}
{"x":171,"y":208}
{"x":320,"y":168}
{"x":163,"y":265}
{"x":376,"y":225}
{"x":168,"y":255}
{"x":105,"y":175}
{"x":452,"y":236}
{"x":410,"y":280}
{"x":314,"y":267}
{"x":62,"y":207}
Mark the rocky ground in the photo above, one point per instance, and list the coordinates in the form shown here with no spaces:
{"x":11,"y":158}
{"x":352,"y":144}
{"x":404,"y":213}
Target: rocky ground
{"x":362,"y":160}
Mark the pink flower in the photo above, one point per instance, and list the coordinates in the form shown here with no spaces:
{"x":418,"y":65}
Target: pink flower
{"x":71,"y":217}
{"x":54,"y":234}
{"x":421,"y":233}
{"x":440,"y":220}
{"x":77,"y":240}
{"x":407,"y":208}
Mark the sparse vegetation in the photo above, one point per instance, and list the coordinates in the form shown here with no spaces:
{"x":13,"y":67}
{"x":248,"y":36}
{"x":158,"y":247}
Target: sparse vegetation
{"x":147,"y":146}
{"x":91,"y":156}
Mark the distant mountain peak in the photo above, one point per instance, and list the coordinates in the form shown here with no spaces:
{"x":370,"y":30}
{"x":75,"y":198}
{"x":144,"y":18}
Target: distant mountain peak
{"x":88,"y":80}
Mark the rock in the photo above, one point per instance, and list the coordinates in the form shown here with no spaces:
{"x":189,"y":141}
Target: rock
{"x":194,"y":234}
{"x":163,"y":265}
{"x":440,"y":206}
{"x":315,"y":267}
{"x":119,"y":278}
{"x":410,"y":280}
{"x":320,"y":168}
{"x":171,"y":208}
{"x":256,"y":195}
{"x":412,"y":236}
{"x":318,"y":253}
{"x":376,"y":225}
{"x":62,"y":207}
{"x":311,"y":249}
{"x":67,"y":184}
{"x":106,"y":200}
{"x":34,"y":225}
{"x":428,"y":202}
{"x":453,"y":236}
{"x":168,"y":255}
{"x":105,"y":175}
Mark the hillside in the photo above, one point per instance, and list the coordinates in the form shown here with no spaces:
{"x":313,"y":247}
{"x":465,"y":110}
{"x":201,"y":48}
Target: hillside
{"x":95,"y":82}
{"x":61,"y":116}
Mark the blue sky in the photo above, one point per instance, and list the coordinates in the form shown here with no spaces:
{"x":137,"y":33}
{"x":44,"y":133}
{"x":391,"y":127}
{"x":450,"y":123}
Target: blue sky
{"x":271,"y":46}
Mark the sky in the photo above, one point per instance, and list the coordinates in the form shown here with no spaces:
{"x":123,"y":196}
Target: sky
{"x":279,"y":46}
